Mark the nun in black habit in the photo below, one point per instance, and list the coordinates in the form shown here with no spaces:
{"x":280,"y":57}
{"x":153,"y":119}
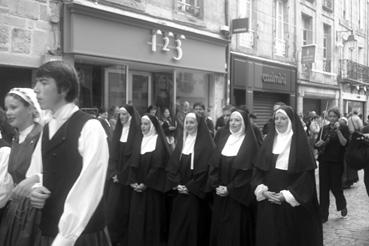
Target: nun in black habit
{"x":288,"y":210}
{"x":230,"y":177}
{"x":187,"y":176}
{"x":148,"y":182}
{"x":118,"y":192}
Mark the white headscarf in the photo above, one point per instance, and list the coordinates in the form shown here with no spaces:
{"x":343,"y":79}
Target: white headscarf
{"x":235,"y":140}
{"x":189,"y":141}
{"x":148,"y":143}
{"x":125,"y":127}
{"x":282,"y":144}
{"x":28,"y":95}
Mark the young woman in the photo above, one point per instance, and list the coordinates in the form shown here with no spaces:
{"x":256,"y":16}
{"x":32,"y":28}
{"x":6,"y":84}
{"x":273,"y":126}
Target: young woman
{"x":19,"y":225}
{"x":230,"y":177}
{"x":288,"y":210}
{"x":147,"y":180}
{"x":118,"y":192}
{"x":332,"y":144}
{"x":187,"y":176}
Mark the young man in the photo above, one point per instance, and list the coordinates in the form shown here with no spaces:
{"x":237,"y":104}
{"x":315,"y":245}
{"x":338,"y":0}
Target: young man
{"x":199,"y":109}
{"x":71,"y":161}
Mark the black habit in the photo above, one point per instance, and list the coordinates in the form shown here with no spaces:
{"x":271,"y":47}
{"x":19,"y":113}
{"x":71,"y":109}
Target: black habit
{"x":118,"y":192}
{"x":284,"y":224}
{"x":190,"y":216}
{"x":147,"y":212}
{"x":232,"y":219}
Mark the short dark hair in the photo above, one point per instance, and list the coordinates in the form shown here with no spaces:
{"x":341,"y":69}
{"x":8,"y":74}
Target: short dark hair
{"x":279,"y":104}
{"x":151,"y":107}
{"x":199,"y":104}
{"x":336,"y":111}
{"x":65,"y":76}
{"x":252,"y":116}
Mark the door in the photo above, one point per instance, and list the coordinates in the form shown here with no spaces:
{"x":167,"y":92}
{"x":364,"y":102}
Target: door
{"x":141,"y":90}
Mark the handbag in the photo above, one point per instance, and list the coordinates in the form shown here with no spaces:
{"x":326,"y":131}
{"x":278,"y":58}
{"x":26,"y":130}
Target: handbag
{"x":357,"y":151}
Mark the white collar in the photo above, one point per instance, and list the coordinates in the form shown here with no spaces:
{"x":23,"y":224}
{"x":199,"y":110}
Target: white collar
{"x":24,"y":133}
{"x":65,"y":112}
{"x":235,"y":140}
{"x":149,"y":139}
{"x":125,"y":130}
{"x":282,"y":144}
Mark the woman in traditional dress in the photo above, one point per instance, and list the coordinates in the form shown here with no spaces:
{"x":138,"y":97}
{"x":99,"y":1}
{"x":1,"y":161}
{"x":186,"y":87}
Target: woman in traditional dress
{"x":118,"y":192}
{"x":147,"y":180}
{"x":288,"y":210}
{"x":230,"y":177}
{"x":19,"y":225}
{"x":187,"y":175}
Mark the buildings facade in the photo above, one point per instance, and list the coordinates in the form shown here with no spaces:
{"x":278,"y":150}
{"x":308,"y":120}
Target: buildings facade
{"x":141,"y":52}
{"x":339,"y":32}
{"x":29,"y":32}
{"x":263,"y":60}
{"x":311,"y":54}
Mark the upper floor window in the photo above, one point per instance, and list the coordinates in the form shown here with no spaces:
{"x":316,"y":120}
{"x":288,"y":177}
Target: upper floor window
{"x":280,"y":42}
{"x":307,"y":32}
{"x":327,"y":48}
{"x":191,"y":7}
{"x":245,"y":11}
{"x":328,"y":5}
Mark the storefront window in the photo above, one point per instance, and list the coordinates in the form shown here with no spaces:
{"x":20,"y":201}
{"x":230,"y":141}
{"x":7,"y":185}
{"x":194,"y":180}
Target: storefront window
{"x":115,"y":86}
{"x":90,"y":94}
{"x":193,"y":87}
{"x":163,"y":90}
{"x":355,"y":105}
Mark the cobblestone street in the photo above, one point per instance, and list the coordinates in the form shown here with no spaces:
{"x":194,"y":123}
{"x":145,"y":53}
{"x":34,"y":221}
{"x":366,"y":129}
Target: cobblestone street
{"x":354,"y":229}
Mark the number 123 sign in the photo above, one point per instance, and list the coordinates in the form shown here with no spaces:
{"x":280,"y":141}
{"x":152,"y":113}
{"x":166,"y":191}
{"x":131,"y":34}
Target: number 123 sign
{"x":166,"y":42}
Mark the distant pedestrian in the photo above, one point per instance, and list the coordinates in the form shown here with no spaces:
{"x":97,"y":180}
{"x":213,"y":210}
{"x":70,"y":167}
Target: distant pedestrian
{"x":331,"y":146}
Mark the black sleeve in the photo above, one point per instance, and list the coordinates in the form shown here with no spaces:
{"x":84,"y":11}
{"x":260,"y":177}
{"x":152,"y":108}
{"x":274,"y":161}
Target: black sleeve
{"x":240,"y":187}
{"x":303,"y":189}
{"x":197,"y":185}
{"x":156,"y":176}
{"x":210,"y":126}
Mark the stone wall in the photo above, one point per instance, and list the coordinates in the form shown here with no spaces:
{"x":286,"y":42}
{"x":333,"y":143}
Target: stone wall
{"x":29,"y":29}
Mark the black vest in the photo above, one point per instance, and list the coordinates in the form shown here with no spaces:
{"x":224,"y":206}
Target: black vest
{"x":62,"y":164}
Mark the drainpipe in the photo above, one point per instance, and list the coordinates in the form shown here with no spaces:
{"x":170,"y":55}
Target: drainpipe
{"x":228,"y":52}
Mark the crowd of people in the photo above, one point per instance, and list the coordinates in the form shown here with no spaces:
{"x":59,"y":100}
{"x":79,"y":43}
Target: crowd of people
{"x":69,"y":178}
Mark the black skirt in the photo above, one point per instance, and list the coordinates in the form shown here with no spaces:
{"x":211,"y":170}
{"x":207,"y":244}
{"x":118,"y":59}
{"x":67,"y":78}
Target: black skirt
{"x":20,"y":224}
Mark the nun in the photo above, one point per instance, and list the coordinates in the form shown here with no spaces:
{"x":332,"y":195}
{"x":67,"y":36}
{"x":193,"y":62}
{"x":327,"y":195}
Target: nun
{"x":19,"y":225}
{"x":148,"y":182}
{"x":288,"y":210}
{"x":118,"y":193}
{"x":187,"y":177}
{"x":230,"y":176}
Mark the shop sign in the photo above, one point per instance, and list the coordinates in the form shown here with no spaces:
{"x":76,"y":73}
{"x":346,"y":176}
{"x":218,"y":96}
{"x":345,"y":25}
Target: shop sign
{"x":274,"y":78}
{"x":240,"y":25}
{"x":308,"y":53}
{"x":167,"y":42}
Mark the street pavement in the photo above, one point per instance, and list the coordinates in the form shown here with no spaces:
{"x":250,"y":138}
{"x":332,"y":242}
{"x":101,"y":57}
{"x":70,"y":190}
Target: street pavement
{"x":354,"y":229}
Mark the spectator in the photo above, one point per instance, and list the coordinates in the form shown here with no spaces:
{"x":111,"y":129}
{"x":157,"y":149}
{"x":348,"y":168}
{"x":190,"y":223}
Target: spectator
{"x":269,"y":125}
{"x":200,"y":111}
